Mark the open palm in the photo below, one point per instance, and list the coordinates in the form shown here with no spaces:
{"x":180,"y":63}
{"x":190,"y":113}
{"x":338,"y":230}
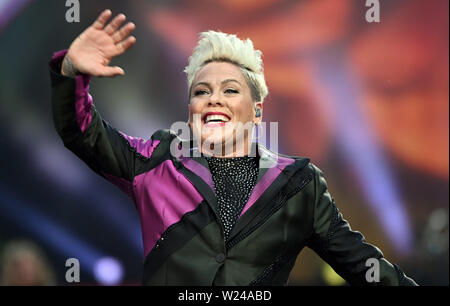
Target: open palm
{"x":93,"y":50}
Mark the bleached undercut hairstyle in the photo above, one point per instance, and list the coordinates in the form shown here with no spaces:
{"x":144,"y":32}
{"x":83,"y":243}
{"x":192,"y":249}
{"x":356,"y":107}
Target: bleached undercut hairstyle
{"x":222,"y":47}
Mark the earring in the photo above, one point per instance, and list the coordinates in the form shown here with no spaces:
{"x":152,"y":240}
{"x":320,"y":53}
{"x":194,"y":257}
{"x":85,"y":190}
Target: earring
{"x":258,"y":112}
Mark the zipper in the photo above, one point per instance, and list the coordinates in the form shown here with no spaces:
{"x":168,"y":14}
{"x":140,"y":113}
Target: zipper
{"x":222,"y":232}
{"x":280,"y":201}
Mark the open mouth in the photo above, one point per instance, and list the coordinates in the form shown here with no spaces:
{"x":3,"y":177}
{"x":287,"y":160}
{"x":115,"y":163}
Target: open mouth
{"x":213,"y":119}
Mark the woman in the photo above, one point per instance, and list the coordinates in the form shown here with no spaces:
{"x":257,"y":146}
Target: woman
{"x":218,"y":214}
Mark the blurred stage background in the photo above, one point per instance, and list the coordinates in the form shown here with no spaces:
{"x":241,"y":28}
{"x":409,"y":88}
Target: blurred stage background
{"x":368,"y":102}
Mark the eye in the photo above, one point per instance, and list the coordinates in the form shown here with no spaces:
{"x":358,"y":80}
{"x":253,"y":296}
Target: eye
{"x":231,"y":91}
{"x":200,"y":92}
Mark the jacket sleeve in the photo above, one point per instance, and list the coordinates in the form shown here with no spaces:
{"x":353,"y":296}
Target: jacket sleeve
{"x":108,"y":152}
{"x":345,"y":250}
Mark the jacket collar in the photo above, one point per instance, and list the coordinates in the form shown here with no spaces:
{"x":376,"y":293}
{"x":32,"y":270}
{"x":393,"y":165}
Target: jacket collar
{"x":271,"y":166}
{"x":269,"y":162}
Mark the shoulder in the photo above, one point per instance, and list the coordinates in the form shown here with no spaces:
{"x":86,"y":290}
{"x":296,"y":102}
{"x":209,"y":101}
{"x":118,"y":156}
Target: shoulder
{"x":302,"y":163}
{"x":304,"y":172}
{"x":164,"y":135}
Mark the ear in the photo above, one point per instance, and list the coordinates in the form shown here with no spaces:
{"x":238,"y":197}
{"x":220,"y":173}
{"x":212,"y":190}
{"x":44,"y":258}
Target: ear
{"x":258,"y":106}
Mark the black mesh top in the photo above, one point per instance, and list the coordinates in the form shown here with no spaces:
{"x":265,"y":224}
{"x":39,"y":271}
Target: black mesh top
{"x":234,"y":179}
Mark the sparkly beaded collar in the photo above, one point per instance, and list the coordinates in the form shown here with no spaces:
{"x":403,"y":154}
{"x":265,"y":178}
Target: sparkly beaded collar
{"x":234,"y":179}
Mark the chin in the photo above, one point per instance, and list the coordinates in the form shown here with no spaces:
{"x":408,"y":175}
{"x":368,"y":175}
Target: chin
{"x":217,"y":139}
{"x":220,"y":139}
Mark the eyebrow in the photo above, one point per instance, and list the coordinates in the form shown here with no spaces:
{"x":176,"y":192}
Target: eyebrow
{"x":223,"y":82}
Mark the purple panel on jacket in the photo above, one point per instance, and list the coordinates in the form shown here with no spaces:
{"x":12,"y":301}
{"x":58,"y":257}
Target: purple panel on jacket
{"x":143,"y":147}
{"x":83,"y":100}
{"x":199,"y":170}
{"x":163,"y":196}
{"x":266,"y":181}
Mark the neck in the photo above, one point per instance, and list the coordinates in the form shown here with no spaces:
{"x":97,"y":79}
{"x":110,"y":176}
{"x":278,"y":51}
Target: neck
{"x":246,"y":148}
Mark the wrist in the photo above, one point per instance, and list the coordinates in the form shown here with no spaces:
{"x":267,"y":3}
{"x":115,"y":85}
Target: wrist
{"x":67,"y":67}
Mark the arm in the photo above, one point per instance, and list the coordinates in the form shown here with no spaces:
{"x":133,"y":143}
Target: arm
{"x":347,"y":251}
{"x":107,"y":151}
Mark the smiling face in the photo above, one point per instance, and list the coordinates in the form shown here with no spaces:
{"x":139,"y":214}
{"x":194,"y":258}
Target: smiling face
{"x":220,"y":105}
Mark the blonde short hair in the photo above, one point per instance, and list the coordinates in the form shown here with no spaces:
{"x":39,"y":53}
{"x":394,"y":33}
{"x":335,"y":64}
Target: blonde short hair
{"x":221,"y":47}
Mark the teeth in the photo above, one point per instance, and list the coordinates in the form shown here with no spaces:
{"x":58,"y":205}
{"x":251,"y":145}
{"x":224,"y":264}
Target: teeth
{"x":216,"y":118}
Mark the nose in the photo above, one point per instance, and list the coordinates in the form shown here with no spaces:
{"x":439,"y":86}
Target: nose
{"x":214,"y":100}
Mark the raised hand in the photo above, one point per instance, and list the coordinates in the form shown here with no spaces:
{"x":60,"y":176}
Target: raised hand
{"x":93,"y":50}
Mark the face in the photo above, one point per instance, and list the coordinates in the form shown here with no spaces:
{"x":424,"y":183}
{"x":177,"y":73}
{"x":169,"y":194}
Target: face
{"x":26,"y":271}
{"x":221,"y":104}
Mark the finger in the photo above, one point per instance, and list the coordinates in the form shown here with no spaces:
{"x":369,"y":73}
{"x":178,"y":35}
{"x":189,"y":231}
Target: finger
{"x":126,"y":44}
{"x":123,"y":32}
{"x":102,"y":19}
{"x":115,"y":24}
{"x":109,"y":71}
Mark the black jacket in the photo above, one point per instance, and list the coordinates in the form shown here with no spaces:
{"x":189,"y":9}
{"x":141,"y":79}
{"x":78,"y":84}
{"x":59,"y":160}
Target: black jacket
{"x":290,"y":207}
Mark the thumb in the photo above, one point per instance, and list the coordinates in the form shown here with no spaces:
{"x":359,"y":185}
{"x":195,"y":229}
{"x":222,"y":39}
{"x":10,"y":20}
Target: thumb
{"x":112,"y":71}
